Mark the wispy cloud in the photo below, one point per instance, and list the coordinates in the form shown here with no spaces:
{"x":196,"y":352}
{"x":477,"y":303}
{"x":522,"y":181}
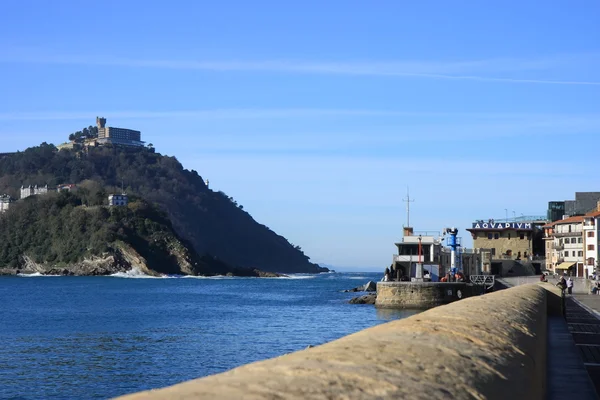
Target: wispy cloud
{"x":267,"y":113}
{"x":470,"y":70}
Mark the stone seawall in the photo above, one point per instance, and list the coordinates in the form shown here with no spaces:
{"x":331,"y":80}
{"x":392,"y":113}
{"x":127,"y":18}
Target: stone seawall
{"x":483,"y":347}
{"x":580,"y":285}
{"x":420,"y":295}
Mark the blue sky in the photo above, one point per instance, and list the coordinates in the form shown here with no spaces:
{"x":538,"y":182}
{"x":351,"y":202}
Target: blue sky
{"x":316,"y":116}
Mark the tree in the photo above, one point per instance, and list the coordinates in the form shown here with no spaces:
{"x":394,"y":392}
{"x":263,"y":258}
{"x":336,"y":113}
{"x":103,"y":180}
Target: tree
{"x":72,"y":137}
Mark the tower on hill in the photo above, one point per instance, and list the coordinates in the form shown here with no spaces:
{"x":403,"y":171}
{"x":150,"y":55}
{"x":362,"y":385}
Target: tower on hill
{"x":119,"y":136}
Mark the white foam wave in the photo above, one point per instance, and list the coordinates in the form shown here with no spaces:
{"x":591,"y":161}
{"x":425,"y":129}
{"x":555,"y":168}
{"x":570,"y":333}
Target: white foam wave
{"x":136,"y":273}
{"x":211,"y":277}
{"x":301,"y":276}
{"x":35,"y":274}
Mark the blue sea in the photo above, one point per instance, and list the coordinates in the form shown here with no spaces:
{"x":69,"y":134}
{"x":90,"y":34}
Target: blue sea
{"x":100,"y":337}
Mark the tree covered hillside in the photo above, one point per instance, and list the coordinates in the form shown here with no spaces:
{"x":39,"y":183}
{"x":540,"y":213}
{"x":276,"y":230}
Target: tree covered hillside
{"x":211,"y":221}
{"x":67,"y":232}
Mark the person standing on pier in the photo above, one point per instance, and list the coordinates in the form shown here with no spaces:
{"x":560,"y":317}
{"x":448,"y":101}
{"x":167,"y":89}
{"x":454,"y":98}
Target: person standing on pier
{"x":570,"y":285}
{"x":562,"y":284}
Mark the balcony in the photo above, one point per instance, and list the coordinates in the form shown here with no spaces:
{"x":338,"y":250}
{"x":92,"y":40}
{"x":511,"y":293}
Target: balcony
{"x":563,"y":234}
{"x":558,"y":247}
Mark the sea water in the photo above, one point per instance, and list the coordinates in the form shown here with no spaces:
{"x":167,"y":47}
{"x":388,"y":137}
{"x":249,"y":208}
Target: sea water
{"x":99,"y":337}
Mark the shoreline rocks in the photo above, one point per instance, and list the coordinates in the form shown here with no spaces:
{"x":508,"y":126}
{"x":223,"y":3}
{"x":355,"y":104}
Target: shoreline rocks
{"x":364,"y":299}
{"x":367,"y":287}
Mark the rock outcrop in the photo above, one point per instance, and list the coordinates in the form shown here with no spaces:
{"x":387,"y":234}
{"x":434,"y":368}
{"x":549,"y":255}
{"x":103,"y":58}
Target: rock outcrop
{"x":367,"y":287}
{"x":365,"y":299}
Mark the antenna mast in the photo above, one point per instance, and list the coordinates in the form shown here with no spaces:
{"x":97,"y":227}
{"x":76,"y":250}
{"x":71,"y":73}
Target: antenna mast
{"x":408,"y":201}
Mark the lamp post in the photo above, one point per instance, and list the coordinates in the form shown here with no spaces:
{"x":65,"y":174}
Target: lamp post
{"x":419,"y":269}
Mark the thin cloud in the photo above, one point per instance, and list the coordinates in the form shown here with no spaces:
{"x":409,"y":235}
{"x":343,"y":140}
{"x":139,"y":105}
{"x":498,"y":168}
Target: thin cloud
{"x":462,"y":70}
{"x":267,"y":113}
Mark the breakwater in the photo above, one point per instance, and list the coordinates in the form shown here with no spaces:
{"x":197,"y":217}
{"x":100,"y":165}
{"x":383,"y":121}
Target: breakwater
{"x":491,"y":347}
{"x":421,"y":294}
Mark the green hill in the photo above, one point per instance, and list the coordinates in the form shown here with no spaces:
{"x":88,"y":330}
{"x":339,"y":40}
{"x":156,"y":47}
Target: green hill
{"x":58,"y":233}
{"x":211,"y":222}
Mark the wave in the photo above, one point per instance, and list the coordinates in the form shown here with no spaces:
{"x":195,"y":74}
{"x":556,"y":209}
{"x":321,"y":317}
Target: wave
{"x":136,"y":273}
{"x":300,"y":276}
{"x":35,"y":274}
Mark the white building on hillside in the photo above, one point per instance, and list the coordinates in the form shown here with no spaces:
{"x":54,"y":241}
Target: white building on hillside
{"x":5,"y":201}
{"x":118,"y":200}
{"x":33,"y":190}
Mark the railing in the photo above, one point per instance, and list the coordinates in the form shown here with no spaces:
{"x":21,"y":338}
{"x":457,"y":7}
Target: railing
{"x":412,"y":258}
{"x":522,"y":218}
{"x":427,"y":233}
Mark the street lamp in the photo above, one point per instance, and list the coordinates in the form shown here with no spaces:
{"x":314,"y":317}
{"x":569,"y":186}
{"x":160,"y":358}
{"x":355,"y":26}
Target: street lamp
{"x":419,"y":269}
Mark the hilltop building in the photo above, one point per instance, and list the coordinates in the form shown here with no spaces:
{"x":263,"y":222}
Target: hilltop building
{"x":119,"y":136}
{"x":5,"y":201}
{"x":27,"y":191}
{"x":118,"y":200}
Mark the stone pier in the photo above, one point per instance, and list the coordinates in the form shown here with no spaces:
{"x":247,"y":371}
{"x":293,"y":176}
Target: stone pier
{"x":420,"y":294}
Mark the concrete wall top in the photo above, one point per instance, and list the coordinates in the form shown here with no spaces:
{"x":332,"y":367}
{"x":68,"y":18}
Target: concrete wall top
{"x":483,"y":347}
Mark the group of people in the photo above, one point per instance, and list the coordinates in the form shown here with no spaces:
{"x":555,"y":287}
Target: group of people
{"x":450,"y":277}
{"x":394,"y":275}
{"x":458,"y":277}
{"x":565,"y":284}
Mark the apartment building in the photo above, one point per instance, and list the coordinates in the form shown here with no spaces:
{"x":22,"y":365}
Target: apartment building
{"x":564,"y":246}
{"x":591,"y":241}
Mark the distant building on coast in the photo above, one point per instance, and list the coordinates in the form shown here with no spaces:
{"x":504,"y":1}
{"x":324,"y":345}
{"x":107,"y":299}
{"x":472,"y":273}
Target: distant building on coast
{"x":119,"y":136}
{"x":119,"y":200}
{"x":427,"y":248}
{"x":69,"y":187}
{"x":5,"y":201}
{"x":27,"y":191}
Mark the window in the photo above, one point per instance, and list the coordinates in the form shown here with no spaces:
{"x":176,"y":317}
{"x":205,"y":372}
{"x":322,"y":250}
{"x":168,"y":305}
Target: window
{"x":590,"y":261}
{"x":590,"y":234}
{"x":590,"y":247}
{"x":522,"y":236}
{"x":567,"y":240}
{"x":579,"y":240}
{"x":580,"y":253}
{"x":493,"y":251}
{"x":496,"y":235}
{"x":490,"y":236}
